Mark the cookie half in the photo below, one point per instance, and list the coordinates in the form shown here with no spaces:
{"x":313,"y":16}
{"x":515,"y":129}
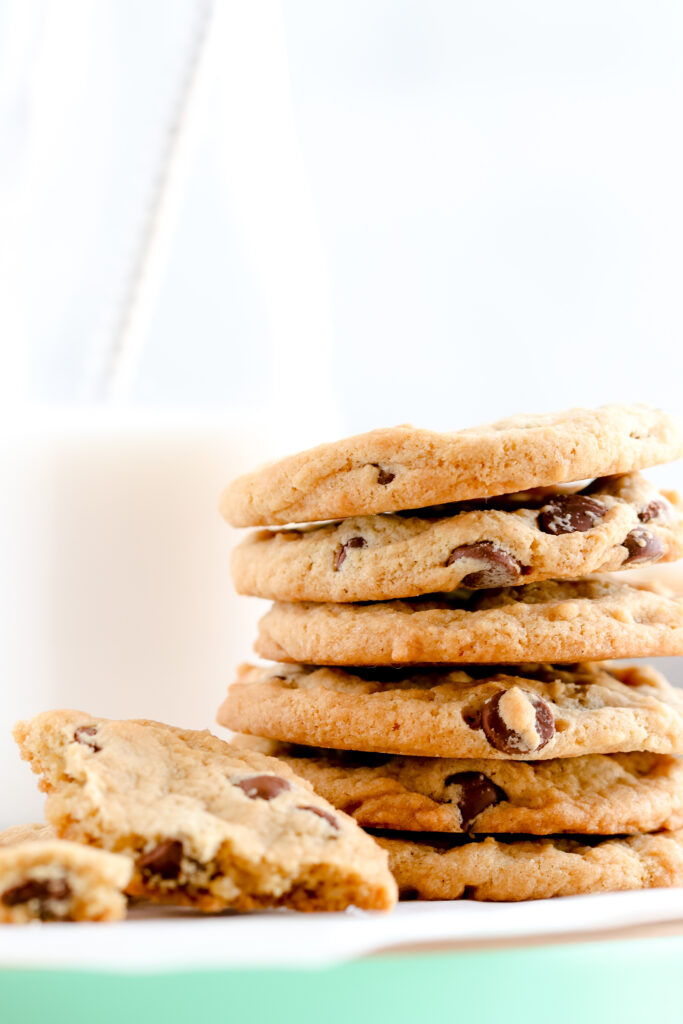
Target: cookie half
{"x":570,"y":620}
{"x":615,"y":523}
{"x":601,"y":794}
{"x":205,"y":825}
{"x":510,"y":869}
{"x":523,"y":713}
{"x":47,"y":879}
{"x":406,"y":467}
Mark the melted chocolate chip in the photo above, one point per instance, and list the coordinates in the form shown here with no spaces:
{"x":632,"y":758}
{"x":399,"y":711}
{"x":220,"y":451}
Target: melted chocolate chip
{"x":409,"y":894}
{"x":340,"y":552}
{"x":54,"y":889}
{"x":642,"y":546}
{"x":507,"y":740}
{"x":384,"y":476}
{"x":656,"y":508}
{"x":83,"y":732}
{"x":499,"y":568}
{"x":472,"y":717}
{"x":330,"y":818}
{"x":570,"y":513}
{"x":477,"y":792}
{"x":164,"y":860}
{"x":264,"y":787}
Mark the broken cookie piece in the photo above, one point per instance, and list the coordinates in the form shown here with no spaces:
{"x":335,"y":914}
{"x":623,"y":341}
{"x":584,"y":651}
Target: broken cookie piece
{"x":206,"y":825}
{"x":47,"y":879}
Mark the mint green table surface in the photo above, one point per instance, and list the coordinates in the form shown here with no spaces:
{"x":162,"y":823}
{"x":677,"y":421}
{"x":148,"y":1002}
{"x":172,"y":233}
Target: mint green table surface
{"x":620,"y":981}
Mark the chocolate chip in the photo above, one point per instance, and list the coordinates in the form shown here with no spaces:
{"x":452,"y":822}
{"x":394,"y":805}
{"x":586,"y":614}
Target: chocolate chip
{"x":384,"y":476}
{"x":570,"y":513}
{"x":164,"y":860}
{"x":507,"y":740}
{"x":472,"y":717}
{"x":46,"y":892}
{"x":656,"y":508}
{"x":642,"y":546}
{"x":323,"y":814}
{"x":477,"y":792}
{"x":340,"y":553}
{"x":264,"y":787}
{"x":409,"y":894}
{"x":499,"y":568}
{"x":82,"y":732}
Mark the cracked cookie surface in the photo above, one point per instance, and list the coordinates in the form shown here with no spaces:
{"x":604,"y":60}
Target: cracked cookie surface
{"x":43,"y":878}
{"x":570,"y":620}
{"x":205,"y":825}
{"x":406,"y":467}
{"x":614,"y":523}
{"x":524,"y":712}
{"x":602,"y":794}
{"x":526,"y":868}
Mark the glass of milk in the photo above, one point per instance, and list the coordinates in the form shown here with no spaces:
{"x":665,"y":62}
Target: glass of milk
{"x":115,"y":596}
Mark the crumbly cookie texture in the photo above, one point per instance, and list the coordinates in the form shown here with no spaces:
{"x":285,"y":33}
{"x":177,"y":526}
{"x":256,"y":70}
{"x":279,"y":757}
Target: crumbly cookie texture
{"x":406,"y":467}
{"x":601,"y":794}
{"x":531,"y":869}
{"x":47,"y":879}
{"x":613,"y":523}
{"x":567,"y":620}
{"x":206,"y":825}
{"x":523,"y":713}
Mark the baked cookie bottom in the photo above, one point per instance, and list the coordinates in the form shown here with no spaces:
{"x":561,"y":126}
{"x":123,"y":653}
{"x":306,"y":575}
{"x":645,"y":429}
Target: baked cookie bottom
{"x":512,"y":868}
{"x":555,"y":621}
{"x":599,"y":794}
{"x":614,"y":523}
{"x":406,"y":467}
{"x":519,"y":713}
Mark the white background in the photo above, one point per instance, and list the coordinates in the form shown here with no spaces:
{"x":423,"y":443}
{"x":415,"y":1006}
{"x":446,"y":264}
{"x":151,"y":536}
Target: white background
{"x":432,"y":211}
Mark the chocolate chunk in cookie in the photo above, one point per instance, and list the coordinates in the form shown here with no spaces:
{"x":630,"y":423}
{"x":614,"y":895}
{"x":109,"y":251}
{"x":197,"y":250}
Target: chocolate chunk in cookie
{"x":499,"y":568}
{"x":517,"y":722}
{"x":571,"y":513}
{"x":642,"y":546}
{"x":340,"y":551}
{"x":164,"y":859}
{"x":476,"y":792}
{"x":264,"y":787}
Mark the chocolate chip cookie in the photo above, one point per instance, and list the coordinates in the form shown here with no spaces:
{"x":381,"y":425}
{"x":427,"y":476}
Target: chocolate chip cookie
{"x":614,"y":523}
{"x":47,"y":879}
{"x":577,"y":620}
{"x":521,"y":713}
{"x":524,"y":868}
{"x":602,"y":794}
{"x":204,"y":824}
{"x":406,"y":467}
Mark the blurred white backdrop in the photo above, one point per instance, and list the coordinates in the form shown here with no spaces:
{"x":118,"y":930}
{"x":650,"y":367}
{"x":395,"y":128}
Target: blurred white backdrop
{"x":436,"y":211}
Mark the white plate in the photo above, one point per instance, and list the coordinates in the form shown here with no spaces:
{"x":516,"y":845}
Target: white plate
{"x":152,"y":939}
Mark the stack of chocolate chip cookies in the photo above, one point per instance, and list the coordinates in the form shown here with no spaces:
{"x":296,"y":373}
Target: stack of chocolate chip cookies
{"x":439,"y":633}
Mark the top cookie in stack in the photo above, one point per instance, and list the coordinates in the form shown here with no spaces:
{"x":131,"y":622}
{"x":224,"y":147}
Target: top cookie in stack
{"x":456,"y":553}
{"x":494,"y":510}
